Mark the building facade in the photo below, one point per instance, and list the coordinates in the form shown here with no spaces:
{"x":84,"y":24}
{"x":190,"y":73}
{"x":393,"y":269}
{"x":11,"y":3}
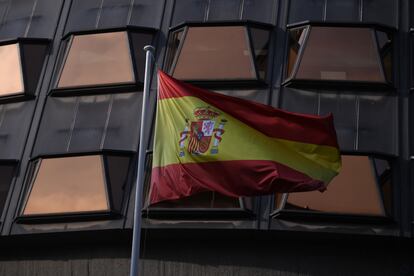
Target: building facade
{"x":71,"y":81}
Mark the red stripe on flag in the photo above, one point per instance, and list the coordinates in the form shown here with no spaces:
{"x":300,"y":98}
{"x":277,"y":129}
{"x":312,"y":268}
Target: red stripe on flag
{"x":231,"y":178}
{"x":266,"y":119}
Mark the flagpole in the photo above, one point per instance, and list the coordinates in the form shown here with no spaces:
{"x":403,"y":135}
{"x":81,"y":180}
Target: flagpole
{"x":139,"y":185}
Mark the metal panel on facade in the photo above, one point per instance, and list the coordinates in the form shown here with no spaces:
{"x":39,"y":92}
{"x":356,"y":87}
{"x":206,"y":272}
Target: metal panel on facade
{"x":29,"y":18}
{"x":260,"y":10}
{"x":189,"y":10}
{"x":114,"y":13}
{"x":224,"y":10}
{"x":380,"y":11}
{"x":15,"y":120}
{"x":372,"y":11}
{"x":124,"y":123}
{"x":296,"y":100}
{"x":45,"y":18}
{"x":54,"y":131}
{"x":343,"y":10}
{"x":344,"y":108}
{"x":89,"y":123}
{"x":83,"y":15}
{"x":363,"y":122}
{"x":97,"y":14}
{"x":217,"y":10}
{"x":17,"y":19}
{"x":302,"y":10}
{"x":378,"y":124}
{"x":147,"y":13}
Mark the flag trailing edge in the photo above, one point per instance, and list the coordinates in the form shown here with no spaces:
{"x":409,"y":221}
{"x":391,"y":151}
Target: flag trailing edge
{"x":206,"y":141}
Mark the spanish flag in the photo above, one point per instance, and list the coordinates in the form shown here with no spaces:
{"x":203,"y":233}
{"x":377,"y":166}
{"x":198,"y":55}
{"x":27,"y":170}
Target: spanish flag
{"x":205,"y":141}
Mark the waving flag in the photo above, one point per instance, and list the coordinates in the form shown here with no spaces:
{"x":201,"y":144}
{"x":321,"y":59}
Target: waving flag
{"x":205,"y":141}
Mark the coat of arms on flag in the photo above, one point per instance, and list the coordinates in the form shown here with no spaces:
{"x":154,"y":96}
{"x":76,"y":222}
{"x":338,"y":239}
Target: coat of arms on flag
{"x":205,"y":127}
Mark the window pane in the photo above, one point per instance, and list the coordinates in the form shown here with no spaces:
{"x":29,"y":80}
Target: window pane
{"x":173,"y":44}
{"x":385,"y":49}
{"x":215,"y":53}
{"x":296,"y":39}
{"x":260,"y":40}
{"x":11,"y":78}
{"x":117,"y":168}
{"x":6,"y":175}
{"x":98,"y":59}
{"x":139,"y":41}
{"x":382,"y":168}
{"x":32,"y":57}
{"x":353,"y":191}
{"x":68,"y":185}
{"x":340,"y":54}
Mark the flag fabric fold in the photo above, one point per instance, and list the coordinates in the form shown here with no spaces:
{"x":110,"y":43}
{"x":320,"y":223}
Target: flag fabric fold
{"x":206,"y":141}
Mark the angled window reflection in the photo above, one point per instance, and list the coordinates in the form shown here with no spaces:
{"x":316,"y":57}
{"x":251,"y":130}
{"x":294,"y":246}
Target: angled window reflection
{"x":348,"y":54}
{"x":77,"y":185}
{"x":68,"y":185}
{"x":207,"y":49}
{"x":363,"y":187}
{"x":211,"y":53}
{"x":296,"y":40}
{"x":327,"y":54}
{"x":97,"y":59}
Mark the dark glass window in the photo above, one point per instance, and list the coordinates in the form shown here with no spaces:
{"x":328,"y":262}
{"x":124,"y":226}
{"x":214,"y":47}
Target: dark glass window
{"x":296,"y":40}
{"x":97,"y":59}
{"x":385,"y":50}
{"x":80,"y":184}
{"x":218,"y":53}
{"x":260,"y":41}
{"x":347,"y":54}
{"x":6,"y":176}
{"x":363,"y":187}
{"x":173,"y":44}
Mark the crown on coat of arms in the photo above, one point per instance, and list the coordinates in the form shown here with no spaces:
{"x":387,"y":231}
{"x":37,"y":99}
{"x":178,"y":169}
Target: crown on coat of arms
{"x":205,"y":113}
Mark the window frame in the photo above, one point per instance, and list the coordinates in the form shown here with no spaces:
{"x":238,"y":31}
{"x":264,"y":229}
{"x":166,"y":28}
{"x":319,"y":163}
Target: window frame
{"x":26,"y":94}
{"x":219,"y":83}
{"x":242,"y":212}
{"x":94,"y":89}
{"x":110,"y":214}
{"x":292,"y":81}
{"x":316,"y":216}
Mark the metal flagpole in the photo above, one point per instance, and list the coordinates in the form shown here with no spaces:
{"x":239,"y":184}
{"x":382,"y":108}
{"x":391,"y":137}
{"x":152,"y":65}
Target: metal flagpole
{"x":139,"y":185}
